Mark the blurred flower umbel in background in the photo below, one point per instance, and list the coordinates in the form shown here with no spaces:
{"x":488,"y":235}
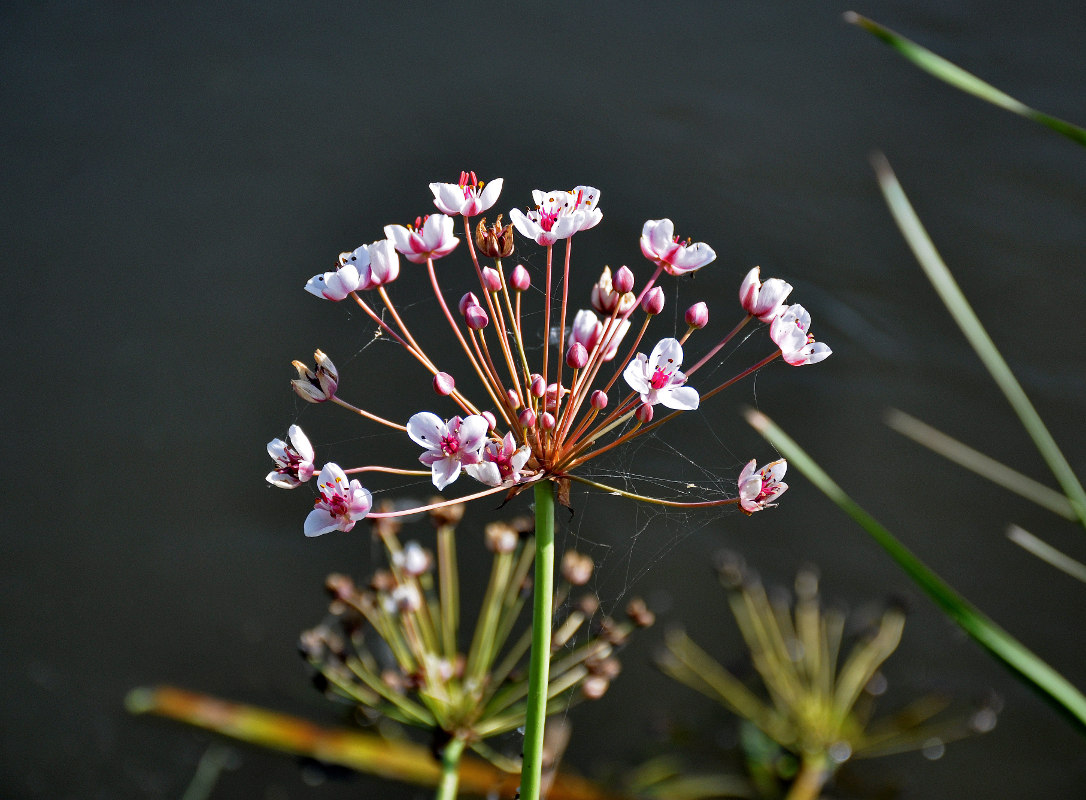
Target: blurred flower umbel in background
{"x":393,"y":646}
{"x":818,"y":712}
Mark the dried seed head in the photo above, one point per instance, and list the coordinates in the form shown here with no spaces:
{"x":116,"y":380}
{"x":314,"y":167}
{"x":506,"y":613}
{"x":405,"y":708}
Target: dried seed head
{"x":495,"y":241}
{"x":501,"y":537}
{"x":639,"y":613}
{"x":446,"y":515}
{"x":577,"y":567}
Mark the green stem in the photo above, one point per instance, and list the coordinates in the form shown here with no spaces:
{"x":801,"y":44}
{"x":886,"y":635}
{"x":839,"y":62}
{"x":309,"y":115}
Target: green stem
{"x":539,"y":664}
{"x":450,"y":770}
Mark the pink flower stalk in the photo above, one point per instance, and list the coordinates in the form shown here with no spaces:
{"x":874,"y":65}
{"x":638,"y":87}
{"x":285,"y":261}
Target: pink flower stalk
{"x":430,"y":237}
{"x":763,"y":300}
{"x":758,"y":486}
{"x":340,"y":505}
{"x":293,"y":462}
{"x":468,"y":197}
{"x":502,"y":462}
{"x":791,"y":332}
{"x":558,"y":215}
{"x":449,"y":445}
{"x":657,"y":377}
{"x":661,"y":246}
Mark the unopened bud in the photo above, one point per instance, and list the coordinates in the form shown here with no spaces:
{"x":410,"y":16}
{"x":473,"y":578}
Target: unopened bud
{"x":444,"y":384}
{"x":576,"y":356}
{"x":599,"y":400}
{"x":623,"y":280}
{"x":653,"y":302}
{"x":526,"y":418}
{"x":492,"y":280}
{"x":514,"y":398}
{"x":539,"y":385}
{"x":491,"y":420}
{"x":521,"y":279}
{"x":546,"y":420}
{"x":697,"y":316}
{"x":466,"y":302}
{"x":476,"y":317}
{"x":644,"y":413}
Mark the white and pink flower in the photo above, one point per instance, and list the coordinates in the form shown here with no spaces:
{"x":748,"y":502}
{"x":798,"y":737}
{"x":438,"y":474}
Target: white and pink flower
{"x":660,"y":245}
{"x":449,"y":445}
{"x":430,"y":237}
{"x":335,"y":285}
{"x":588,"y":331}
{"x":763,"y":300}
{"x":757,"y":487}
{"x":468,"y":197}
{"x":657,"y":377}
{"x":790,"y":331}
{"x":558,"y":215}
{"x":502,"y":462}
{"x":293,"y":462}
{"x":340,"y":505}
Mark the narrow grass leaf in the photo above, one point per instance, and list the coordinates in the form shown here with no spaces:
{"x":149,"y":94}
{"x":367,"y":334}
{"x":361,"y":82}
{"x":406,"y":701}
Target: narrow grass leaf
{"x":959,"y":78}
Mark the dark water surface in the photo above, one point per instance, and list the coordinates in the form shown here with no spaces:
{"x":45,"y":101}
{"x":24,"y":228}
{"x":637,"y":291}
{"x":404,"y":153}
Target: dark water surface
{"x":173,"y":176}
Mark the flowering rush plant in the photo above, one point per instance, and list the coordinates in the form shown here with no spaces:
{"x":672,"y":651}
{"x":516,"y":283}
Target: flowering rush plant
{"x":545,"y":412}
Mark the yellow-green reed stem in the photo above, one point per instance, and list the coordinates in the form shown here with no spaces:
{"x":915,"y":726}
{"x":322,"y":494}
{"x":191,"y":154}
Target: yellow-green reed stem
{"x":539,"y":664}
{"x":450,"y":770}
{"x":812,"y":775}
{"x":449,"y":589}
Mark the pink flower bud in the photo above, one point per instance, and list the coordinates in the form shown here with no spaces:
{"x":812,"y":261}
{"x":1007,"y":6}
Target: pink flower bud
{"x":526,"y":418}
{"x":491,"y":279}
{"x":539,"y":386}
{"x":644,"y":413}
{"x":476,"y":318}
{"x":514,"y":398}
{"x":697,"y":316}
{"x":491,"y":420}
{"x":623,"y":280}
{"x":599,"y":400}
{"x":521,"y":279}
{"x":576,"y":356}
{"x":466,"y":302}
{"x":444,"y":384}
{"x":546,"y":420}
{"x":653,"y":302}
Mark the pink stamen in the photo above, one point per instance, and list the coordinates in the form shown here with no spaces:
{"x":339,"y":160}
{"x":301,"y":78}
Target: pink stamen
{"x":450,"y":445}
{"x":660,"y":379}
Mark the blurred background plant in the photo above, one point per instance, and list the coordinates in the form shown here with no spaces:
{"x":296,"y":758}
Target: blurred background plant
{"x":816,"y":708}
{"x":394,"y":649}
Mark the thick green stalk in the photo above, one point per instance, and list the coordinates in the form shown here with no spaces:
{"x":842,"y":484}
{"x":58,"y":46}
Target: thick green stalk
{"x":450,"y":770}
{"x":539,"y":664}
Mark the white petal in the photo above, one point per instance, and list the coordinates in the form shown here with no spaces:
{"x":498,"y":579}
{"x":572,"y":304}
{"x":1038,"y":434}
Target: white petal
{"x":486,"y":472}
{"x":490,"y":194}
{"x":681,"y":398}
{"x":282,"y":481}
{"x":473,"y":431}
{"x":445,"y":471}
{"x":524,"y":226}
{"x":668,"y":354}
{"x":448,"y":197}
{"x":635,"y":374}
{"x":426,"y":430}
{"x":320,"y":522}
{"x":301,"y":442}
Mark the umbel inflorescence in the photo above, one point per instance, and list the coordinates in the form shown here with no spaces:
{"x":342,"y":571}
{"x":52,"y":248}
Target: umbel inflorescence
{"x":545,"y":411}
